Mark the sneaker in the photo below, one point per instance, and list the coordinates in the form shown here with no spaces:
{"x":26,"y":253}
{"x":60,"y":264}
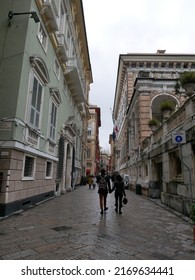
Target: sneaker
{"x":116,"y":210}
{"x":106,"y":208}
{"x":101,"y":212}
{"x":120,"y":212}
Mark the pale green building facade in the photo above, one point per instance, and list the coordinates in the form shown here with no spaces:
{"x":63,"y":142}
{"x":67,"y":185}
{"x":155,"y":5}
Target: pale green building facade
{"x":45,"y":75}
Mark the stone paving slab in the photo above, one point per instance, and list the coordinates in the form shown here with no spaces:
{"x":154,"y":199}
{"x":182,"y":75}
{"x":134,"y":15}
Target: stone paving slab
{"x":70,"y":227}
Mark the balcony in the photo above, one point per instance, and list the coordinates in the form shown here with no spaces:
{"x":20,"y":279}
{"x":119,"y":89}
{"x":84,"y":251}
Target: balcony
{"x":49,"y":10}
{"x":73,"y":78}
{"x":61,"y":48}
{"x":32,"y":137}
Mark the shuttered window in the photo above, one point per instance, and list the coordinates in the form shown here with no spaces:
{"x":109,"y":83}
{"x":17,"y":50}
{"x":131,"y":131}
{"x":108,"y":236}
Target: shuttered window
{"x":35,"y":107}
{"x":53,"y":121}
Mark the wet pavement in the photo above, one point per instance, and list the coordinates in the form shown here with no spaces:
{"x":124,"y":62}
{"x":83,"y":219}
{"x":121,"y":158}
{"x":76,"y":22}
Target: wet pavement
{"x":70,"y":227}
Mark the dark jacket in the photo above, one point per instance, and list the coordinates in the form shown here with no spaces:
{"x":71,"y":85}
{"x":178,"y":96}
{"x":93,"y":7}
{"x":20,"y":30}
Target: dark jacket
{"x":119,"y":186}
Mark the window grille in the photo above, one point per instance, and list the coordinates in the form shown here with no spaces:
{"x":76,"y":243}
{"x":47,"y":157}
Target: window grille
{"x":29,"y":166}
{"x":48,"y":168}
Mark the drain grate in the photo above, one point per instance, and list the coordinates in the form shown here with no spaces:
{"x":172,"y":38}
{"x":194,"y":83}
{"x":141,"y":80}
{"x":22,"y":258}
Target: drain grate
{"x":61,"y":228}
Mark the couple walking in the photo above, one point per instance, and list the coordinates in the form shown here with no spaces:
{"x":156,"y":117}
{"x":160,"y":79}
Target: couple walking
{"x":104,"y":187}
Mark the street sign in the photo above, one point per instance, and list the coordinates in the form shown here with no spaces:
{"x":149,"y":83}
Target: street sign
{"x":179,"y":137}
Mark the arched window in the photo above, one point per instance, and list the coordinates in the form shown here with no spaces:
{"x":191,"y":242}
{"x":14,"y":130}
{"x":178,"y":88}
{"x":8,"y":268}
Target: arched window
{"x":40,"y":68}
{"x":156,"y":102}
{"x":39,"y":77}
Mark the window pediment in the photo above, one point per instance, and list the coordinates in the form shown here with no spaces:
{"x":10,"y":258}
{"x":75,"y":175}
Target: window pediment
{"x":55,"y":93}
{"x":41,"y":68}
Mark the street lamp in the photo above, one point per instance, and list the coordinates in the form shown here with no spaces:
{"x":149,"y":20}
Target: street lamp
{"x":32,"y":13}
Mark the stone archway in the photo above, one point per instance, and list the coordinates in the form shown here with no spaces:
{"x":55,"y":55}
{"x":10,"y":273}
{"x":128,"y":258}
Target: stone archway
{"x":156,"y":103}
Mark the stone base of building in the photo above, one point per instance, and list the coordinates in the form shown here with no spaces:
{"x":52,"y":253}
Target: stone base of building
{"x":176,"y":202}
{"x":15,"y":206}
{"x":144,"y":191}
{"x":154,"y":193}
{"x":154,"y":189}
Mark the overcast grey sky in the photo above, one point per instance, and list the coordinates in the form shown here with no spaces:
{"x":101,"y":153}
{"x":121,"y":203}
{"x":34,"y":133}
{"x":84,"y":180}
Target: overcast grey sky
{"x":131,"y":26}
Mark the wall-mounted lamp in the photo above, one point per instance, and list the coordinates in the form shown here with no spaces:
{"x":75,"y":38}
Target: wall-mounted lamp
{"x":32,"y":13}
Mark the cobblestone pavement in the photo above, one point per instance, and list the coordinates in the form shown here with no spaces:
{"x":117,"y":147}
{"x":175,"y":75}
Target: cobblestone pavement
{"x":70,"y":227}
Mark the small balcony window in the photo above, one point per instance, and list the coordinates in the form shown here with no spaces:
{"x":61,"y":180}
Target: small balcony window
{"x":42,"y":36}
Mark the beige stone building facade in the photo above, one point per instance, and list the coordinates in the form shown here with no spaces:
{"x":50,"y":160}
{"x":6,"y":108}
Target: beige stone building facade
{"x":105,"y":161}
{"x":157,"y":161}
{"x":93,"y":149}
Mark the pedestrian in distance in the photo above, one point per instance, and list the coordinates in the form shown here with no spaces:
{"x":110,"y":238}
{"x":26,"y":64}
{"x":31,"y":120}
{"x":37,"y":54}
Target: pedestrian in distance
{"x":83,"y":181}
{"x":103,"y":182}
{"x":94,"y":182}
{"x":90,"y":181}
{"x":119,"y":189}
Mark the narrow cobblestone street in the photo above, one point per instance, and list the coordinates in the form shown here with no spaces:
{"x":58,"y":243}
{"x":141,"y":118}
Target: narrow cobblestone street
{"x":70,"y":227}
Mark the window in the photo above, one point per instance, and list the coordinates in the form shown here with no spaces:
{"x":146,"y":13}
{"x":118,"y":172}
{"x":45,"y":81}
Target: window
{"x":42,"y":36}
{"x":53,"y":118}
{"x":29,"y":167}
{"x":38,"y":79}
{"x":133,"y":64}
{"x":35,"y":106}
{"x":57,"y":69}
{"x":62,"y":19}
{"x":49,"y":169}
{"x":89,"y":130}
{"x":40,"y":67}
{"x":88,"y":153}
{"x":193,"y":66}
{"x":55,"y":102}
{"x":69,"y":43}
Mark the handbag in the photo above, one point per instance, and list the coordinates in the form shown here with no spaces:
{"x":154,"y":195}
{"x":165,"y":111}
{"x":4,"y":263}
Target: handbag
{"x":125,"y":200}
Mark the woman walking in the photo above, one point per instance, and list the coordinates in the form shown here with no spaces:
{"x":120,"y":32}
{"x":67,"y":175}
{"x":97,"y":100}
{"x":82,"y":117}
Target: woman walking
{"x":119,"y":193}
{"x":103,"y":182}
